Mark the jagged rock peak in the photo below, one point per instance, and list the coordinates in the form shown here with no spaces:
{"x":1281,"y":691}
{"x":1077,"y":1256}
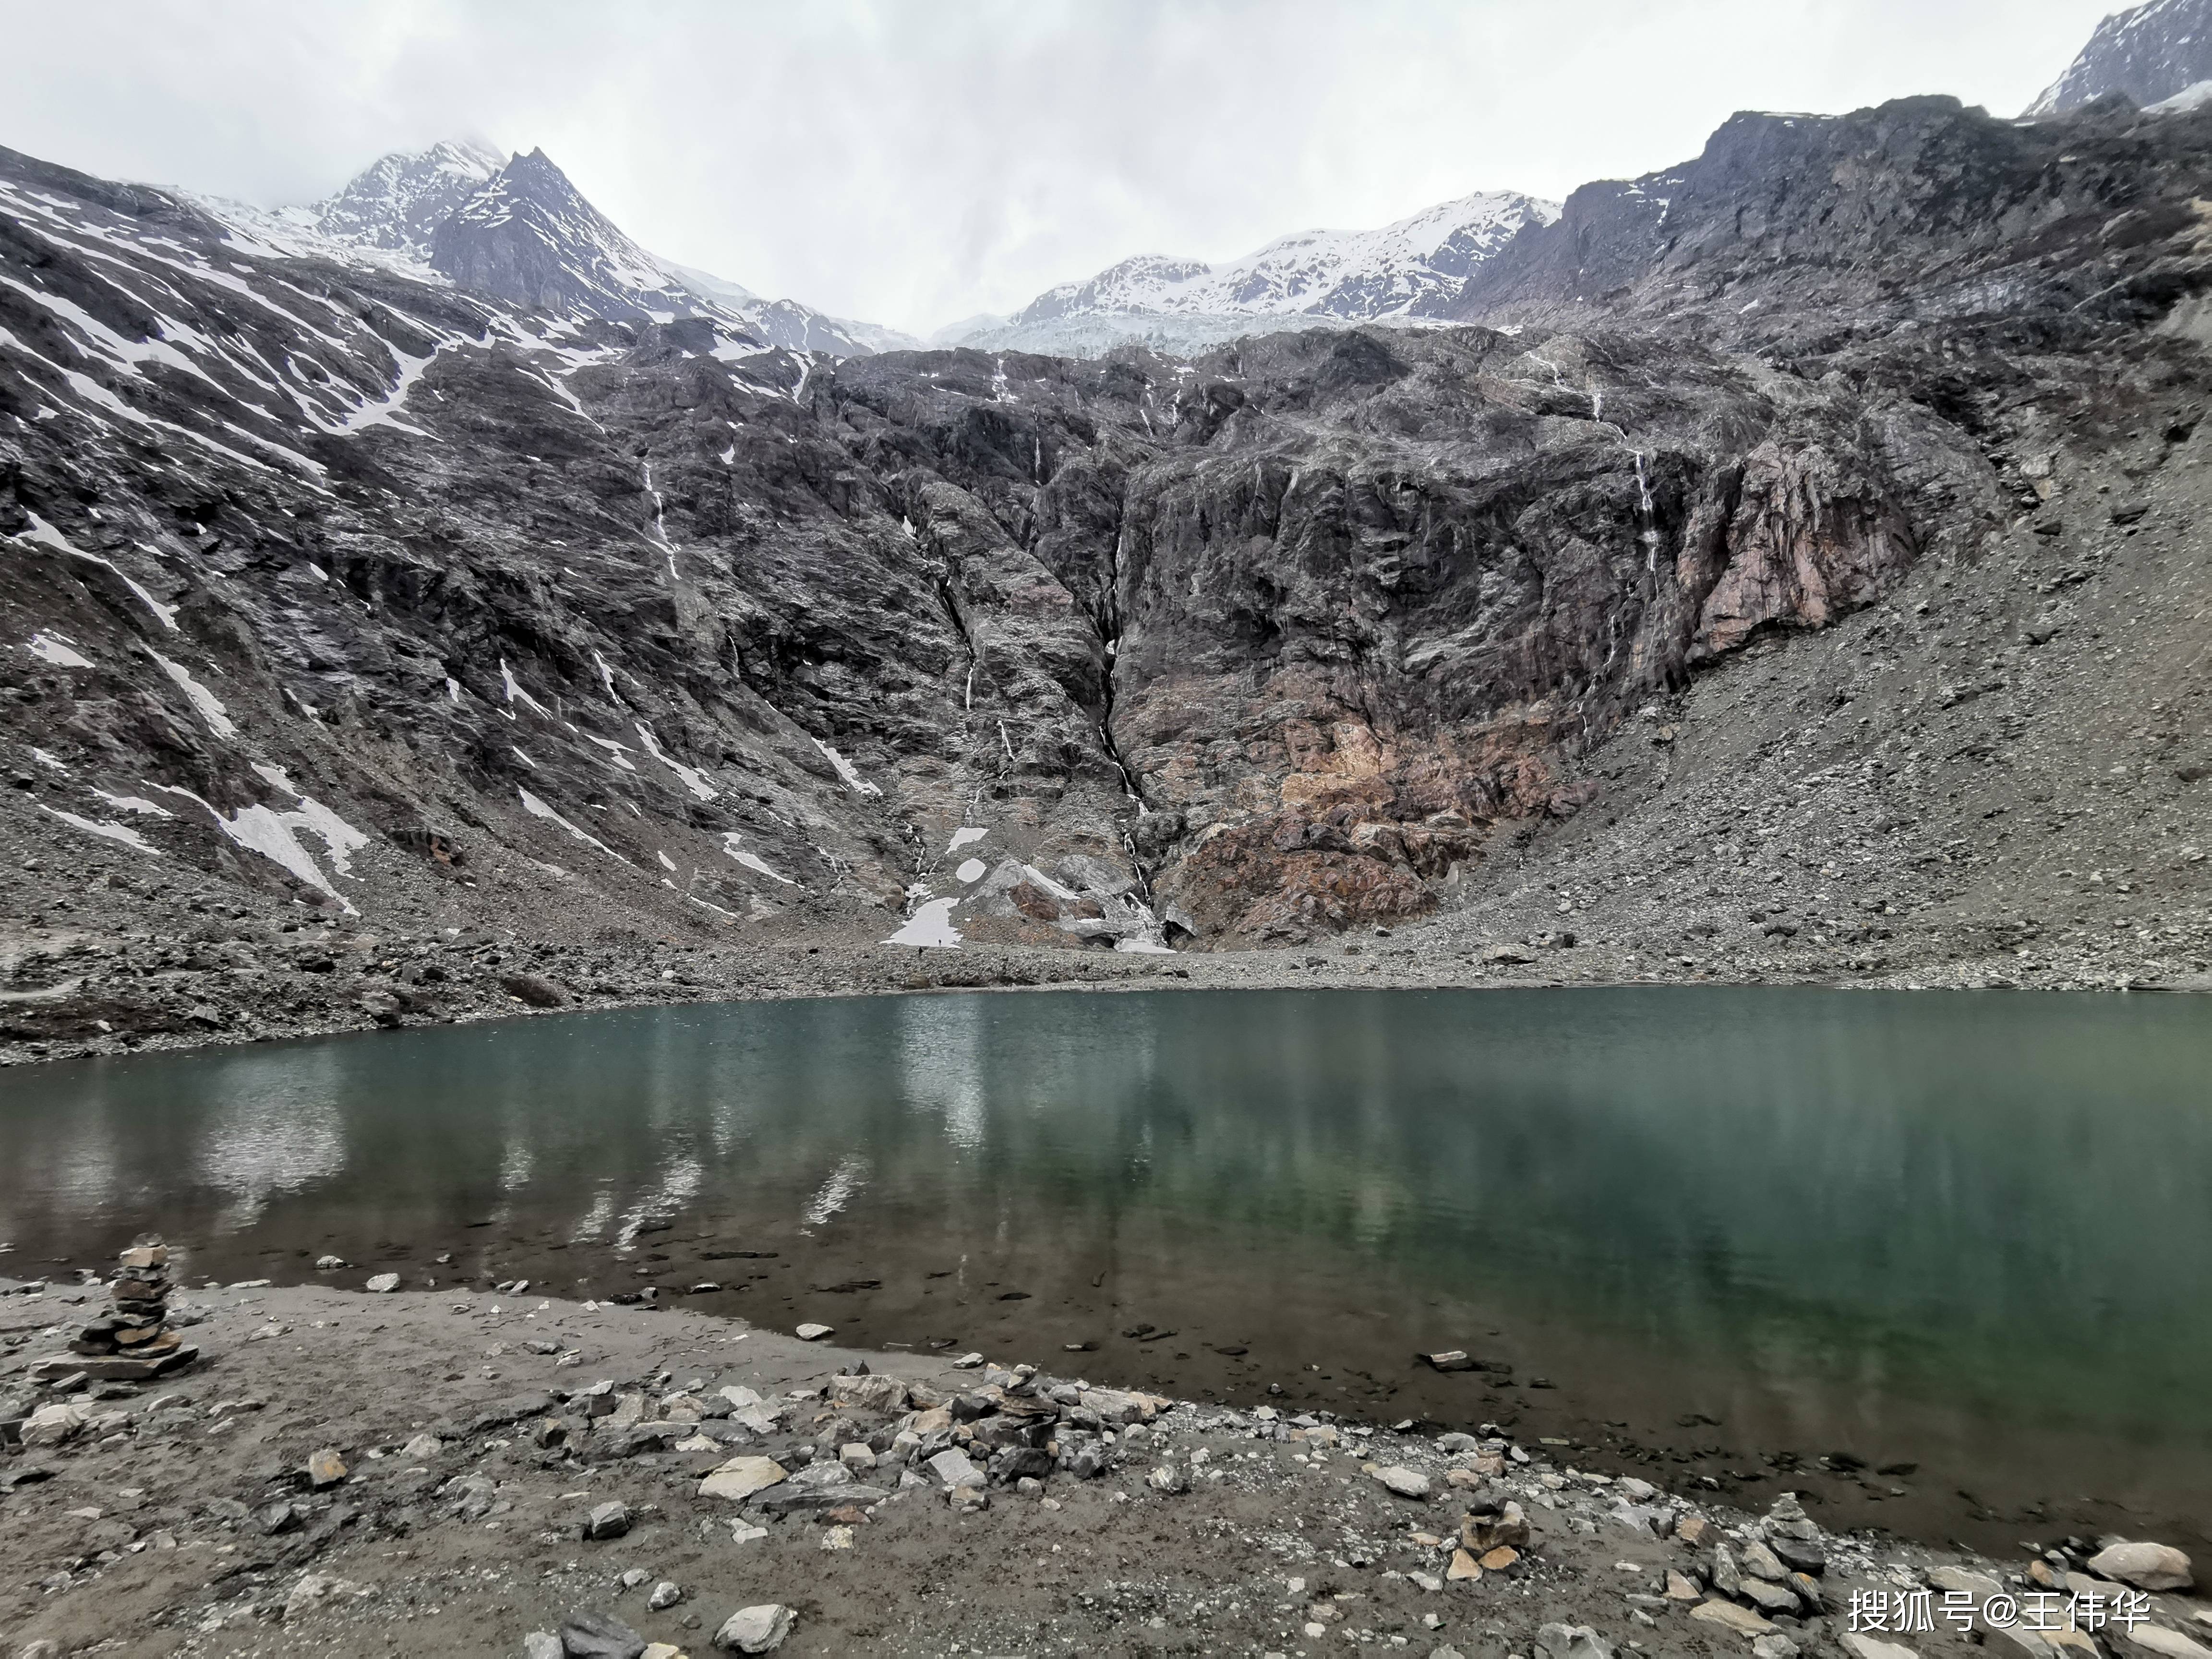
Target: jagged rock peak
{"x":398,"y":200}
{"x":2148,"y":54}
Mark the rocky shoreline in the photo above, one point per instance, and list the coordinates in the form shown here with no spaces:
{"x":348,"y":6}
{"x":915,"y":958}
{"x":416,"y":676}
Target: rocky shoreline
{"x":228,"y":979}
{"x":470,"y":1471}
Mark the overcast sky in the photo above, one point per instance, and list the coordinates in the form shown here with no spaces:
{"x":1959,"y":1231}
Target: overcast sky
{"x":912,"y":162}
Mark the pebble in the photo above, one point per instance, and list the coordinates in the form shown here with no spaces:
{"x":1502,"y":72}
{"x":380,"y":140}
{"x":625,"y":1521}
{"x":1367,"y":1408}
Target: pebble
{"x":813,"y":1334}
{"x":383,"y":1284}
{"x":756,"y":1629}
{"x":666,"y":1594}
{"x":325,"y":1468}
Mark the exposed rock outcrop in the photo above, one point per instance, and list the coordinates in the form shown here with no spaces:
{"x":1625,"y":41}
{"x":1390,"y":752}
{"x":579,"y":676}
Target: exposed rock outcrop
{"x":402,"y":600}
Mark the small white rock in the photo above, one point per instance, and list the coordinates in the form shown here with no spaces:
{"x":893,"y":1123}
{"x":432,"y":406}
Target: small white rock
{"x":1406,"y":1483}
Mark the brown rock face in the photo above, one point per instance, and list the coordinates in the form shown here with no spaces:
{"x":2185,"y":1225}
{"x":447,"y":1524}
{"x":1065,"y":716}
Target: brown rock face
{"x":1811,"y":539}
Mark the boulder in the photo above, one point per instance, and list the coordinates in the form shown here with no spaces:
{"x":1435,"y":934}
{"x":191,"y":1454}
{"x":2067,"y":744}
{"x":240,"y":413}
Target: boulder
{"x":53,"y":1425}
{"x":2146,"y":1566}
{"x":1728,"y":1616}
{"x":594,"y":1635}
{"x":755,"y":1630}
{"x":882,"y":1395}
{"x":741,"y":1477}
{"x":606,"y":1520}
{"x":1403,"y":1482}
{"x":952,"y":1469}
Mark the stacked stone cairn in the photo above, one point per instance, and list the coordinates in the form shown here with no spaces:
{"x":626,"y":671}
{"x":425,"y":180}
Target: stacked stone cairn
{"x":133,"y":1340}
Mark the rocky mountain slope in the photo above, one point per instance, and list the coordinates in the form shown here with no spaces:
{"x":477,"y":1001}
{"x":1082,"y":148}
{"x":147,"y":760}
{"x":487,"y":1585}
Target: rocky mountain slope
{"x":1802,"y":529}
{"x":2147,"y":54}
{"x":1315,"y":279}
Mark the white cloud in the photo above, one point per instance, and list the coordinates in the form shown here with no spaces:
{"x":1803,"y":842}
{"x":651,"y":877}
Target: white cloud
{"x":911,"y":161}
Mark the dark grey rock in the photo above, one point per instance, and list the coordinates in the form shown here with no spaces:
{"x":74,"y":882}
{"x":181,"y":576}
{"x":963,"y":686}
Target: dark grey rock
{"x":595,"y":1635}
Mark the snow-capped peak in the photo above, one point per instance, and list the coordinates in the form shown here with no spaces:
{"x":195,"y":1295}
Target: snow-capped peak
{"x":515,"y":229}
{"x":398,"y":201}
{"x":2152,"y":53}
{"x":1408,"y":270}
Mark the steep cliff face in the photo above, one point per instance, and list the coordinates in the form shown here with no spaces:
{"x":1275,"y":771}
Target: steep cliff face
{"x":409,"y":601}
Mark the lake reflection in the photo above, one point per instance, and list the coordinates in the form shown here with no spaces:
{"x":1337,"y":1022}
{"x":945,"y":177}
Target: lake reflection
{"x":1966,"y":1231}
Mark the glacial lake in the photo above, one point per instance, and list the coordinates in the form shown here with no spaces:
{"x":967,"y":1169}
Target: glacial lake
{"x":1941,"y":1260}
